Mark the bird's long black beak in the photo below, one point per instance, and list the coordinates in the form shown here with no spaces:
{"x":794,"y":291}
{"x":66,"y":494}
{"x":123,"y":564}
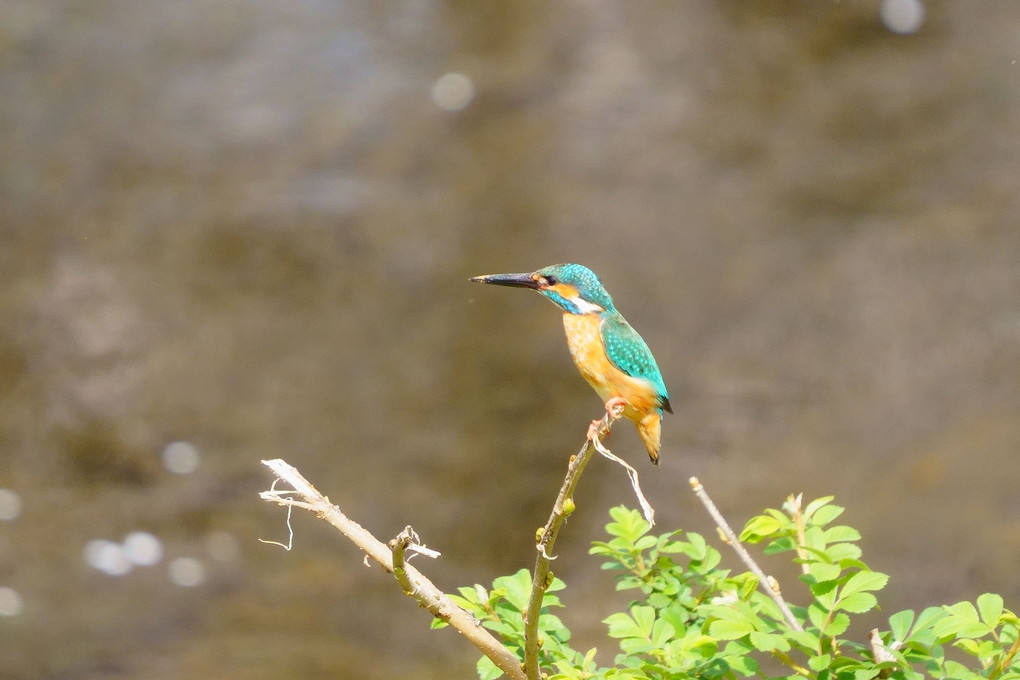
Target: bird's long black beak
{"x":514,"y":280}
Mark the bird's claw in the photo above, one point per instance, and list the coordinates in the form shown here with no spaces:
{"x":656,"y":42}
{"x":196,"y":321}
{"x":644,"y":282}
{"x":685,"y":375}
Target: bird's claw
{"x":615,"y":407}
{"x":614,"y":411}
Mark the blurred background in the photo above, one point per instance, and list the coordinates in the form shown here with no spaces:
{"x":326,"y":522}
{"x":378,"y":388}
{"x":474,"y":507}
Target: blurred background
{"x":232,"y":231}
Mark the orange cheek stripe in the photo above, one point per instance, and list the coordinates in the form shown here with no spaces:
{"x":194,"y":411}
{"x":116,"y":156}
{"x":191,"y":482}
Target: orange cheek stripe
{"x":565,"y":289}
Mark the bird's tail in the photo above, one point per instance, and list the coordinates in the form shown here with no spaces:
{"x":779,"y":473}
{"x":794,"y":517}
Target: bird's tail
{"x":650,"y":429}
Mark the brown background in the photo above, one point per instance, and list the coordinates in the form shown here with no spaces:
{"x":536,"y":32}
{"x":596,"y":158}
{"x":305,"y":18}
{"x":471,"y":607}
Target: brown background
{"x":249,"y":227}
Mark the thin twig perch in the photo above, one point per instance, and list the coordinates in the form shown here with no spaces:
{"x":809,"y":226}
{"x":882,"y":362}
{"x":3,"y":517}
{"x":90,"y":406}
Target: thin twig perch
{"x":541,"y":578}
{"x":412,"y":581}
{"x":546,"y":537}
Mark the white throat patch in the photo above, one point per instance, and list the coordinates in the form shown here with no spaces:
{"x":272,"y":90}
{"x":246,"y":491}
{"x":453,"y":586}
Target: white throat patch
{"x":585,"y":307}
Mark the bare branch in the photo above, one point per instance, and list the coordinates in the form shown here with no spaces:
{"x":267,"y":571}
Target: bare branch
{"x":546,"y":539}
{"x":413,"y":582}
{"x":768,"y":584}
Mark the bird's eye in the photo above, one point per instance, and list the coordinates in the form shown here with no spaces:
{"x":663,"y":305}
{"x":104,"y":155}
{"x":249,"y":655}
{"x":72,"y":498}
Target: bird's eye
{"x":550,"y":280}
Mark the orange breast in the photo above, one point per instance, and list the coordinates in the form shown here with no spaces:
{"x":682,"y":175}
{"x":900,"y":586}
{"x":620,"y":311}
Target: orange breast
{"x":584,"y":340}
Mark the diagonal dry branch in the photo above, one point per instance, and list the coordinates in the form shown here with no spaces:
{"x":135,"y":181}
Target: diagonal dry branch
{"x":768,"y":584}
{"x":412,"y":581}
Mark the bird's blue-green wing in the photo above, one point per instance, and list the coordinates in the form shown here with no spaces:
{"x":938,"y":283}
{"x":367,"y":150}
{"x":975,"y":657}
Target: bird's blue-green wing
{"x":628,"y":352}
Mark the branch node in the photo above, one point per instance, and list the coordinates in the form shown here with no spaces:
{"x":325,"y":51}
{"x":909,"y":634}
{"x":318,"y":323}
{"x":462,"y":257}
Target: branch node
{"x":543,"y":553}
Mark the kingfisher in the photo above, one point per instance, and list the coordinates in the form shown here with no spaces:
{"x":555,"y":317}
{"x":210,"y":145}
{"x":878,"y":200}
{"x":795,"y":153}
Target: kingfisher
{"x":608,"y":352}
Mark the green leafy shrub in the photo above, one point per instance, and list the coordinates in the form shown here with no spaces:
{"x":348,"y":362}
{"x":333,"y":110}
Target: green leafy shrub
{"x":693,"y":619}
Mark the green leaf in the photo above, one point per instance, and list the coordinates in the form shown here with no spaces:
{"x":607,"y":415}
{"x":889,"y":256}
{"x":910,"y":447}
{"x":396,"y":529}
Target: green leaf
{"x":822,"y":514}
{"x":662,"y":633}
{"x":696,"y":547}
{"x":814,"y":539}
{"x":552,"y":624}
{"x":783,"y":544}
{"x":746,"y":665}
{"x":990,"y":607}
{"x":965,"y":611}
{"x":825,"y":593}
{"x":644,"y":617}
{"x":487,"y":670}
{"x":837,"y":626}
{"x":677,"y":616}
{"x":730,"y":630}
{"x":805,"y":639}
{"x":928,"y":617}
{"x":817,"y":615}
{"x":958,"y":671}
{"x":814,"y":505}
{"x":628,"y":525}
{"x":467,"y":604}
{"x":702,"y":645}
{"x":769,"y":642}
{"x":623,"y":626}
{"x":475,"y":595}
{"x":635,"y":646}
{"x":972,"y":647}
{"x":550,"y":601}
{"x":748,"y":586}
{"x":645,"y":542}
{"x":726,"y":612}
{"x":864,"y":580}
{"x":858,"y":603}
{"x":864,"y":674}
{"x":822,"y":571}
{"x":841,"y":534}
{"x":846,"y":555}
{"x":960,"y":627}
{"x":961,"y":621}
{"x":504,"y":629}
{"x":899,"y":624}
{"x":819,"y":663}
{"x":515,"y":588}
{"x":758,"y":528}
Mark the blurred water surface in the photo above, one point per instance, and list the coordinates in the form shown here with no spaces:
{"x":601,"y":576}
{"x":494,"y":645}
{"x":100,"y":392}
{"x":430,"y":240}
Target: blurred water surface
{"x":233,"y":230}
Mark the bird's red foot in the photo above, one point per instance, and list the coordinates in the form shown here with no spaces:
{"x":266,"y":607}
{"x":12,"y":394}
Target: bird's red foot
{"x":593,"y":430}
{"x":615,"y":406}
